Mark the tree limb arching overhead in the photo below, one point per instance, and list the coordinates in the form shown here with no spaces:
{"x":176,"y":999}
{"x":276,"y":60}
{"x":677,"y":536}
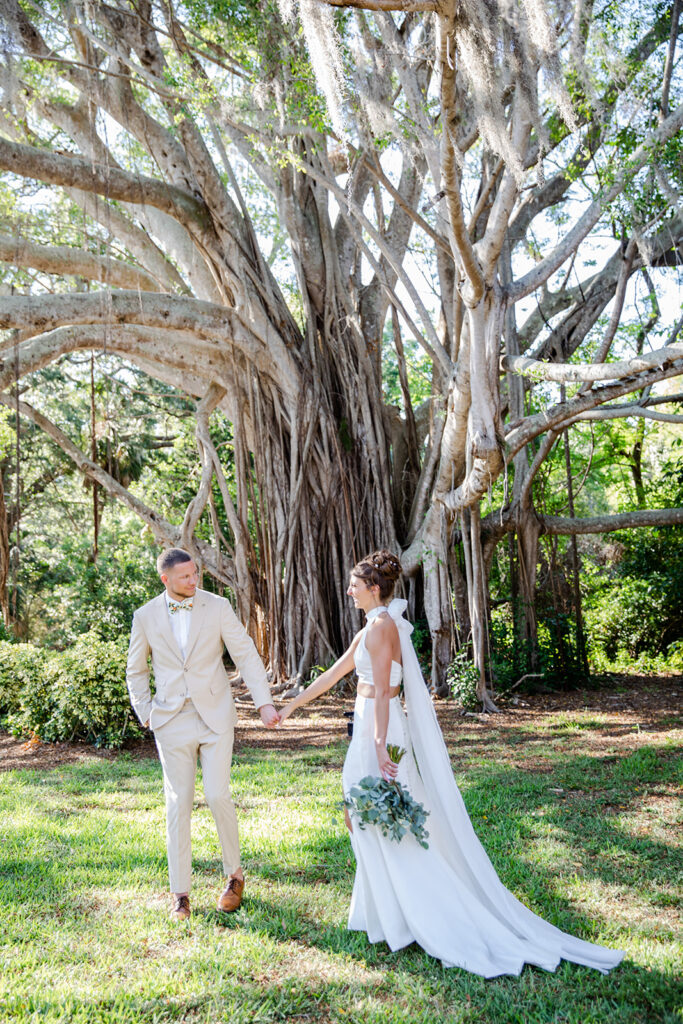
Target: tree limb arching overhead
{"x":160,"y":133}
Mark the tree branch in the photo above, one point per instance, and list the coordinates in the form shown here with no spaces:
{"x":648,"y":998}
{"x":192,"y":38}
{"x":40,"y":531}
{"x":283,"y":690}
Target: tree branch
{"x":181,"y":313}
{"x":348,"y":209}
{"x":450,"y":172}
{"x":195,"y":508}
{"x":592,"y":371}
{"x":615,"y":412}
{"x":65,"y":260}
{"x":554,"y":260}
{"x":74,"y":172}
{"x":559,"y":415}
{"x":386,"y":5}
{"x":165,"y":533}
{"x":607,"y":523}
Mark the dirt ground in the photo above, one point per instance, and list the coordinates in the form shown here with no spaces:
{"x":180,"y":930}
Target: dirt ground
{"x":624,"y":704}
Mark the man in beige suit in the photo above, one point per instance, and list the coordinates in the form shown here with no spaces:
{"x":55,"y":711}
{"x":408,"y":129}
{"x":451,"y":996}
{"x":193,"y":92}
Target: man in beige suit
{"x":192,"y":712}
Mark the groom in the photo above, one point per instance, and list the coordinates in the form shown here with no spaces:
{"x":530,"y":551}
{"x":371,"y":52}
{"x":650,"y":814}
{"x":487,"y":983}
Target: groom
{"x":192,"y":712}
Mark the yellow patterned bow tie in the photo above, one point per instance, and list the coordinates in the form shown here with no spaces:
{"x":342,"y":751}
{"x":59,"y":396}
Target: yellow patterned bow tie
{"x":180,"y":606}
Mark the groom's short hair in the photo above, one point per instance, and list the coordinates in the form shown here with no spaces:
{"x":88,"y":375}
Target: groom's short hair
{"x":172,"y":556}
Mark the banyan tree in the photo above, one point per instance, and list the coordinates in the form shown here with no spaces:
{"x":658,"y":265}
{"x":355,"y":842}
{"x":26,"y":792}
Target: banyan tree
{"x":490,"y":147}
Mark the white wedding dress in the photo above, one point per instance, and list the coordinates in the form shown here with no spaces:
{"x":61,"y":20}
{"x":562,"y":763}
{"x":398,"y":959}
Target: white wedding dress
{"x":447,"y":898}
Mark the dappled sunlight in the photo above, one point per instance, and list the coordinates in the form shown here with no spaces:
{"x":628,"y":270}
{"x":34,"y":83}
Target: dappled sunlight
{"x":579,"y":822}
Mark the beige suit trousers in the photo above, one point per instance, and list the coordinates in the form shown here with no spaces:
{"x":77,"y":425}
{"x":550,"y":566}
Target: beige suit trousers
{"x":179,"y":742}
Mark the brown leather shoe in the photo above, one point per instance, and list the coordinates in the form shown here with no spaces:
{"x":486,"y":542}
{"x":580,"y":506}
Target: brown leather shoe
{"x":231,"y":897}
{"x":181,"y":908}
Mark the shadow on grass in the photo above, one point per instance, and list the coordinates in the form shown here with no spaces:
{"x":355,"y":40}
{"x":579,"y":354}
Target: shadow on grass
{"x":572,"y":996}
{"x":506,"y":804}
{"x":573,"y":993}
{"x":522,"y":739}
{"x":417,"y":988}
{"x":510,"y":806}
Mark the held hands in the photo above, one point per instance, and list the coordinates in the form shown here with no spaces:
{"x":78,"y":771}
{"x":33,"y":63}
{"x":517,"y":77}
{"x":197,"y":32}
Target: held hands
{"x":284,"y":713}
{"x":269,"y":716}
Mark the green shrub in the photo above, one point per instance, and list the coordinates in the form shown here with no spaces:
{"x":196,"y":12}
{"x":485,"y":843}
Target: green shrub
{"x":77,"y":694}
{"x":557,"y":661}
{"x":462,"y":679}
{"x":89,"y":694}
{"x":21,"y":669}
{"x":630,"y":616}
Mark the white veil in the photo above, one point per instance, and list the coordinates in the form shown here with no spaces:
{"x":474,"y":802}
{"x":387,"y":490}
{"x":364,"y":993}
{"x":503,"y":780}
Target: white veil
{"x":449,"y":826}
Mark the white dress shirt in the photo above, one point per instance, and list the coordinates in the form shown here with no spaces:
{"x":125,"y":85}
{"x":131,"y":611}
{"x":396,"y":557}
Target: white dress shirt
{"x":180,"y":625}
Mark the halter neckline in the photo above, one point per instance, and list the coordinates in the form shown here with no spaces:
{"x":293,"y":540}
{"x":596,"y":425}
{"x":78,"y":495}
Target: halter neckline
{"x":374,"y":612}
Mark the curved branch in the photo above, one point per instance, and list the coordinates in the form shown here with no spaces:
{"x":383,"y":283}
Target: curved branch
{"x":404,"y":6}
{"x":587,"y":300}
{"x":554,"y":260}
{"x":591,"y":371}
{"x":165,"y":533}
{"x":194,"y":510}
{"x":74,"y":172}
{"x":67,"y":260}
{"x":607,"y":523}
{"x":134,"y":237}
{"x":450,"y":172}
{"x":615,"y":412}
{"x":156,"y":346}
{"x":615,"y":317}
{"x":563,"y":413}
{"x":155,"y":309}
{"x":258,"y":341}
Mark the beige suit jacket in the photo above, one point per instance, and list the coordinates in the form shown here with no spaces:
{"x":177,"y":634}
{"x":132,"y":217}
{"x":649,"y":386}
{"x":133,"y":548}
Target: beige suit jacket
{"x":200,"y":673}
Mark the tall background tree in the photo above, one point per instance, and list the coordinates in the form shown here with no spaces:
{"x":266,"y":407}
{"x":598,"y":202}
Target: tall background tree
{"x":267,"y":206}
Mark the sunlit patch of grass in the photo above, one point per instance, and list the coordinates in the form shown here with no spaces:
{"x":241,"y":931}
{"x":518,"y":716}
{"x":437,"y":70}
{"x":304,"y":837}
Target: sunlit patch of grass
{"x":584,"y":837}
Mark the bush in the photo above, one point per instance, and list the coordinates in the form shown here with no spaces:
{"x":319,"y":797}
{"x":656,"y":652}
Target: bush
{"x":77,"y":694}
{"x":557,"y":660}
{"x":462,"y":679}
{"x":630,"y":616}
{"x":89,"y":692}
{"x":21,"y":671}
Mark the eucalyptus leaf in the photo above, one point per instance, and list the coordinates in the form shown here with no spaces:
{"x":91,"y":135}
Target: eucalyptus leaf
{"x":388,"y":805}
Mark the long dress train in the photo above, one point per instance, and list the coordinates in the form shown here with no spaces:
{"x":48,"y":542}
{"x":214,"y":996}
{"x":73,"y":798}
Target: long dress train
{"x":447,"y":898}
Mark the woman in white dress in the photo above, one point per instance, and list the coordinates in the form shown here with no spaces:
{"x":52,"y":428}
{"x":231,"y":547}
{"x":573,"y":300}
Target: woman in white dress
{"x":448,"y":898}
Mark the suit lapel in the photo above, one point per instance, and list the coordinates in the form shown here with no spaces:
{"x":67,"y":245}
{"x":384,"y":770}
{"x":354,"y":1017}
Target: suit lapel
{"x":164,"y":624}
{"x":198,"y":610}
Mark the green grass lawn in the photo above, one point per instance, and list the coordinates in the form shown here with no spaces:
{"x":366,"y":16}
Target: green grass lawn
{"x":584,"y":835}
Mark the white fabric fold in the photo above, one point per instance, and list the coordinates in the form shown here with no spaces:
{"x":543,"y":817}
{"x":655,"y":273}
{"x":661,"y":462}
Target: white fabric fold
{"x":454,"y":841}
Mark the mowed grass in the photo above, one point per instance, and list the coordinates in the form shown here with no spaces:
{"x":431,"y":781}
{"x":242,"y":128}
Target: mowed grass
{"x":584,"y":834}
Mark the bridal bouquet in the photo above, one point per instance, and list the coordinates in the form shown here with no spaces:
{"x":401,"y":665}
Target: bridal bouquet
{"x":388,"y":805}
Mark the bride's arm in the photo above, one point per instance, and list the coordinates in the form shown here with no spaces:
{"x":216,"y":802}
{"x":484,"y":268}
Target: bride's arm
{"x":323,"y":683}
{"x":379,"y":646}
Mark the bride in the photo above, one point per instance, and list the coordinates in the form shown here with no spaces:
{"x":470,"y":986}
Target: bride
{"x":448,"y":898}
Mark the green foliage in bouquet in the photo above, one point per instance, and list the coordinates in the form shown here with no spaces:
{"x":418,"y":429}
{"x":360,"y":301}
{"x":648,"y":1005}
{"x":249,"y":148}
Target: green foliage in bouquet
{"x":388,"y":805}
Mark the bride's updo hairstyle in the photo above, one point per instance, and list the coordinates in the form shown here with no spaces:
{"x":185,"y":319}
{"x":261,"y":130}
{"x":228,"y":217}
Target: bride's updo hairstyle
{"x":381,"y":569}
